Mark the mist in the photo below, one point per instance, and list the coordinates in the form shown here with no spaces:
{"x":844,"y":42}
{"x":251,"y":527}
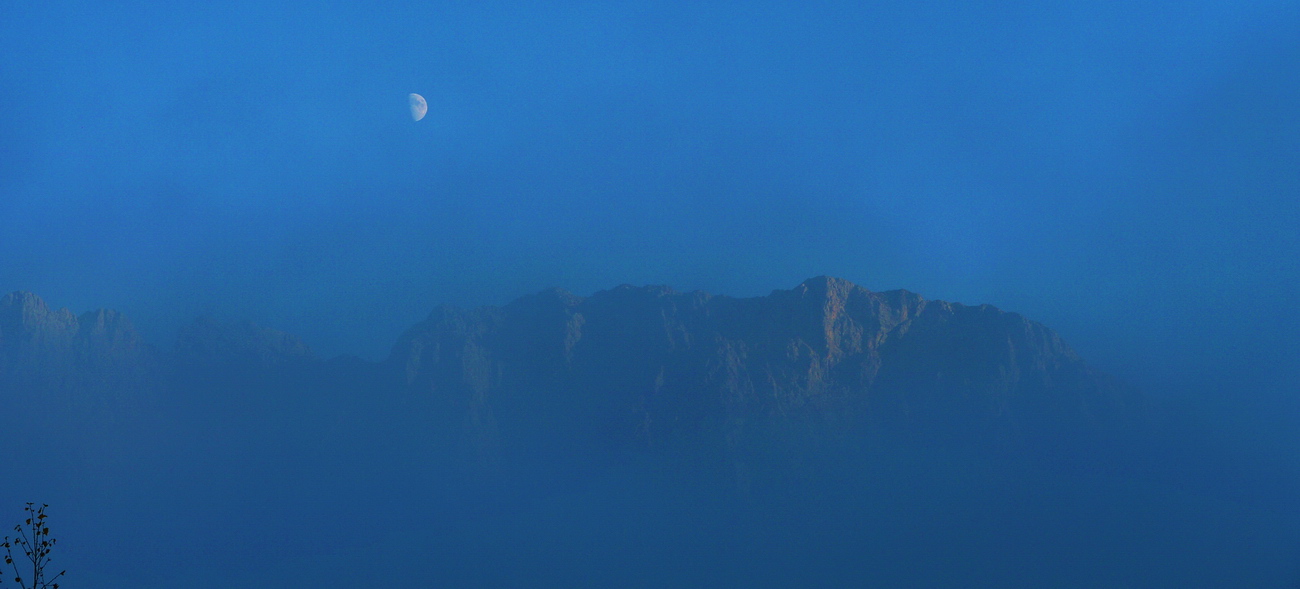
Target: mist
{"x":1122,"y":173}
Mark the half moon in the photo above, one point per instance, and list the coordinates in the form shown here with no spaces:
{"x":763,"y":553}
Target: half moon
{"x":418,"y":106}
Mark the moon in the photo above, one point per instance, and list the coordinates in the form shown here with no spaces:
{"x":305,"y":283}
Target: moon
{"x":418,"y":106}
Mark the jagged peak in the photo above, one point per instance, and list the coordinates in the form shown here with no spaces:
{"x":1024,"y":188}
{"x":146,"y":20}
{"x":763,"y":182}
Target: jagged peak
{"x":29,"y":304}
{"x":826,"y":288}
{"x":24,"y":306}
{"x":827,"y":284}
{"x":23,"y":311}
{"x":22,"y":299}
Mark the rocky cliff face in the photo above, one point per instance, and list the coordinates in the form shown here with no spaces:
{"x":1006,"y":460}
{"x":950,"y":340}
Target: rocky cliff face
{"x":43,"y":349}
{"x":99,"y":358}
{"x":625,"y":370}
{"x":650,"y":367}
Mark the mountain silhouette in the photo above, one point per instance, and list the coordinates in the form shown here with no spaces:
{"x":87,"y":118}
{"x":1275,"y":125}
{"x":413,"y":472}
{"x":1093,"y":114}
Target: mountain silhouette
{"x":625,"y":371}
{"x":98,"y":353}
{"x":649,"y":367}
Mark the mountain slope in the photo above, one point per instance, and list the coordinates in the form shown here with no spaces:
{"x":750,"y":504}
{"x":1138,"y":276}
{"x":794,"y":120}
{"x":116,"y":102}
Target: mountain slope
{"x":822,"y":367}
{"x":649,"y":367}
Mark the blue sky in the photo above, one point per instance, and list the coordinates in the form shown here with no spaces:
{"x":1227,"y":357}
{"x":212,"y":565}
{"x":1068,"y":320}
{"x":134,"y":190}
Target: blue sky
{"x":1126,"y":172}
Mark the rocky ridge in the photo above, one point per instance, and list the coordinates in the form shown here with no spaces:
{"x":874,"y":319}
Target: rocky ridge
{"x":49,"y":349}
{"x":650,"y":367}
{"x":630,"y":369}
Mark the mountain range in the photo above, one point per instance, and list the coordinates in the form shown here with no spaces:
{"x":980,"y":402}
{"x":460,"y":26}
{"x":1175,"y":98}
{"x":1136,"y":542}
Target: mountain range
{"x":626,"y":371}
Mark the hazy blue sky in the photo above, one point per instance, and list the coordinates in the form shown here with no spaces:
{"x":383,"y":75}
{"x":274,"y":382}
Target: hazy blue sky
{"x":1125,"y":171}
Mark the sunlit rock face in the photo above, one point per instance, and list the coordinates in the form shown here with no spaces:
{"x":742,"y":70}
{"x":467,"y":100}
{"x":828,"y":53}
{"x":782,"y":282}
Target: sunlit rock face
{"x":828,"y":360}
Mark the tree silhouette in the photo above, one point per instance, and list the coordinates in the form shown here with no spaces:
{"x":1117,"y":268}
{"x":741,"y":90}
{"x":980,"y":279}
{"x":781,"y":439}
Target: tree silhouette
{"x":34,"y":541}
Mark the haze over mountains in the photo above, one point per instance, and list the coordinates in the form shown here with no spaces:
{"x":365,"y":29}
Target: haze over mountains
{"x":633,"y":367}
{"x":825,"y":435}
